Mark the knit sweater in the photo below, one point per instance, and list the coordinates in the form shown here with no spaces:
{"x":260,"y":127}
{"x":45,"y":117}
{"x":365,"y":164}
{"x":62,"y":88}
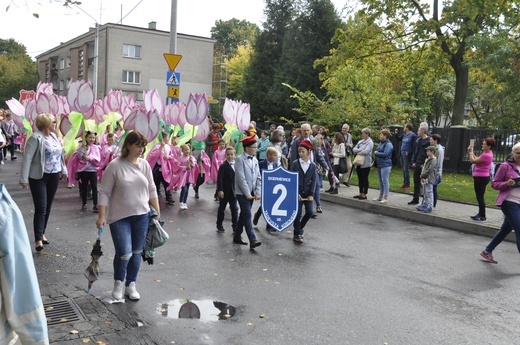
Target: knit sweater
{"x":127,"y":189}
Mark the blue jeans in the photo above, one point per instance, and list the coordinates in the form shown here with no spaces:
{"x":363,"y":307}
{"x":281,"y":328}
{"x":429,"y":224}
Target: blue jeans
{"x":511,"y":222}
{"x":299,"y":224}
{"x":244,"y":219}
{"x":428,"y":195}
{"x":43,"y":191}
{"x":129,"y":235}
{"x":383,"y":174}
{"x":184,"y":193}
{"x":405,"y":163}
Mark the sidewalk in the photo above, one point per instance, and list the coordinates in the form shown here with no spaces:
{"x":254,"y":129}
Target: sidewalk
{"x":447,"y":215}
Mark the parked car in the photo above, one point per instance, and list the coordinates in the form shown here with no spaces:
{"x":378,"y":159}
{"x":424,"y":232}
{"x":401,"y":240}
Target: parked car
{"x":510,"y":140}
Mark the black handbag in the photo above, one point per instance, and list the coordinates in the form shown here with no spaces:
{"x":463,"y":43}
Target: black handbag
{"x":343,"y":167}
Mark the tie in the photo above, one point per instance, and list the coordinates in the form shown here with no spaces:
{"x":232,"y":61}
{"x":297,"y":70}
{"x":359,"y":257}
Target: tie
{"x":233,"y":163}
{"x":249,"y":157}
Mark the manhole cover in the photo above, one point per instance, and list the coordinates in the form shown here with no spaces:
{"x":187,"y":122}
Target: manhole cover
{"x":63,"y":311}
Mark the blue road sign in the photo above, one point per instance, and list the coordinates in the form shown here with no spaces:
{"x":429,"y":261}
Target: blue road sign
{"x":173,"y":78}
{"x":279,"y":197}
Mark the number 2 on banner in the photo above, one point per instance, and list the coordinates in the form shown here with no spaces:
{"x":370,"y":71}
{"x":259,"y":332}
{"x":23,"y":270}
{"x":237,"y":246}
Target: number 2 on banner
{"x":276,"y":207}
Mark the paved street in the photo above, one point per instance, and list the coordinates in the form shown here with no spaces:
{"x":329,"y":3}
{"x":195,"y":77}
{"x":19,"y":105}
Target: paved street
{"x":360,"y":278}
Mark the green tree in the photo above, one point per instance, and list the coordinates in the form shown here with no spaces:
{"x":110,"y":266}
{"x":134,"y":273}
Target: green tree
{"x":17,"y":70}
{"x":495,"y":81}
{"x":267,"y":53}
{"x":451,"y":26}
{"x":306,"y":40}
{"x":230,"y":34}
{"x":237,"y":67}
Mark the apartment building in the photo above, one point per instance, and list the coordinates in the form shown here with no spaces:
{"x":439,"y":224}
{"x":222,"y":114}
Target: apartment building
{"x":130,"y":59}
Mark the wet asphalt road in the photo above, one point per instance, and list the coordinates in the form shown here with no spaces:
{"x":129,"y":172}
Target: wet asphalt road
{"x":359,"y":278}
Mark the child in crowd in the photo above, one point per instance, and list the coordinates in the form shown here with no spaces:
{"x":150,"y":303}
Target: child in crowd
{"x":306,"y":184}
{"x":270,"y":163}
{"x":89,"y":158}
{"x":186,"y":173}
{"x":159,"y":159}
{"x":219,"y":157}
{"x":226,"y":189}
{"x":428,"y":178}
{"x":109,"y":151}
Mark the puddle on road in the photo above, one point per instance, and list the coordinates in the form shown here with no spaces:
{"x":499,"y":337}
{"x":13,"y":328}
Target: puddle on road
{"x":205,"y":310}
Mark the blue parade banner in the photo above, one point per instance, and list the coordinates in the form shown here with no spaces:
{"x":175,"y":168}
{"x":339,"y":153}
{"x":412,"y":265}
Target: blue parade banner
{"x":279,"y":197}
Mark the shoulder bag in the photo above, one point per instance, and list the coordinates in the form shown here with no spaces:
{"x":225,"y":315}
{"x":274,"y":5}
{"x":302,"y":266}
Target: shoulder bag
{"x":359,"y":160}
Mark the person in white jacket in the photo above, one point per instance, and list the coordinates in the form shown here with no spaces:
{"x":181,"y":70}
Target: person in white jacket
{"x":21,"y":309}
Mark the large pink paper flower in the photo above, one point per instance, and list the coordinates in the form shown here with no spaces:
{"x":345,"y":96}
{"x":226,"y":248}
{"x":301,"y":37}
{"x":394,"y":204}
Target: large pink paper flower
{"x":172,"y":113}
{"x":152,"y":101}
{"x":197,"y":108}
{"x":243,"y":116}
{"x":112,"y":101}
{"x":17,"y":110}
{"x":146,"y":122}
{"x":80,"y":96}
{"x":229,"y":113}
{"x":127,"y":105}
{"x":202,"y":130}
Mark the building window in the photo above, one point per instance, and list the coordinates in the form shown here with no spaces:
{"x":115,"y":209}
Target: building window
{"x":80,"y":64}
{"x":62,"y":63}
{"x":131,"y":51}
{"x":67,"y":65}
{"x":68,"y":82}
{"x":62,"y":85}
{"x":131,"y":77}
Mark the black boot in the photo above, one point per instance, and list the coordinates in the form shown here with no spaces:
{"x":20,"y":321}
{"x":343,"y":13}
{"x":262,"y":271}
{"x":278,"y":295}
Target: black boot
{"x":329,"y":190}
{"x":335,"y":191}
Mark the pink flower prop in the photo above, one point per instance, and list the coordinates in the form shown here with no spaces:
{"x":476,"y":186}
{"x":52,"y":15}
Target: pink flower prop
{"x":43,"y":103}
{"x":153,"y":101}
{"x":202,"y":130}
{"x":228,"y":112}
{"x":65,"y":125}
{"x":197,"y":108}
{"x":16,"y":107}
{"x":182,"y":120}
{"x":31,"y":112}
{"x":98,"y":112}
{"x":80,"y":96}
{"x":44,"y":88}
{"x":173,"y":111}
{"x":127,"y":105}
{"x":243,"y":116}
{"x":112,"y":102}
{"x":146,"y":122}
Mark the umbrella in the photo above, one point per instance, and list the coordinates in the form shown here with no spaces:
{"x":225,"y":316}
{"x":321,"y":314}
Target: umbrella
{"x":92,"y":271}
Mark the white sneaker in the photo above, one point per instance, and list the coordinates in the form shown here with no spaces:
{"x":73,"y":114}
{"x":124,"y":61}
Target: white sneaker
{"x":184,"y":206}
{"x":131,"y":292}
{"x":376,"y":199}
{"x":117,"y":293}
{"x":384,"y":201}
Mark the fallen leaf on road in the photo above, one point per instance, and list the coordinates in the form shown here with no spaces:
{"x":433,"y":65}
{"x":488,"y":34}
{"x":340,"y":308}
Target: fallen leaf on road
{"x":86,"y":340}
{"x":250,"y":324}
{"x":64,"y":319}
{"x":157,"y":280}
{"x":73,"y":332}
{"x":262,"y":316}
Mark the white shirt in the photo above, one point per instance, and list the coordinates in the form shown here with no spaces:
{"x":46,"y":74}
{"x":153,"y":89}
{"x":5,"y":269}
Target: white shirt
{"x":305,"y":165}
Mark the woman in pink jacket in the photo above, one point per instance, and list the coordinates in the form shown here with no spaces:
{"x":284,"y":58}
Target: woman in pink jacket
{"x":507,"y":182}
